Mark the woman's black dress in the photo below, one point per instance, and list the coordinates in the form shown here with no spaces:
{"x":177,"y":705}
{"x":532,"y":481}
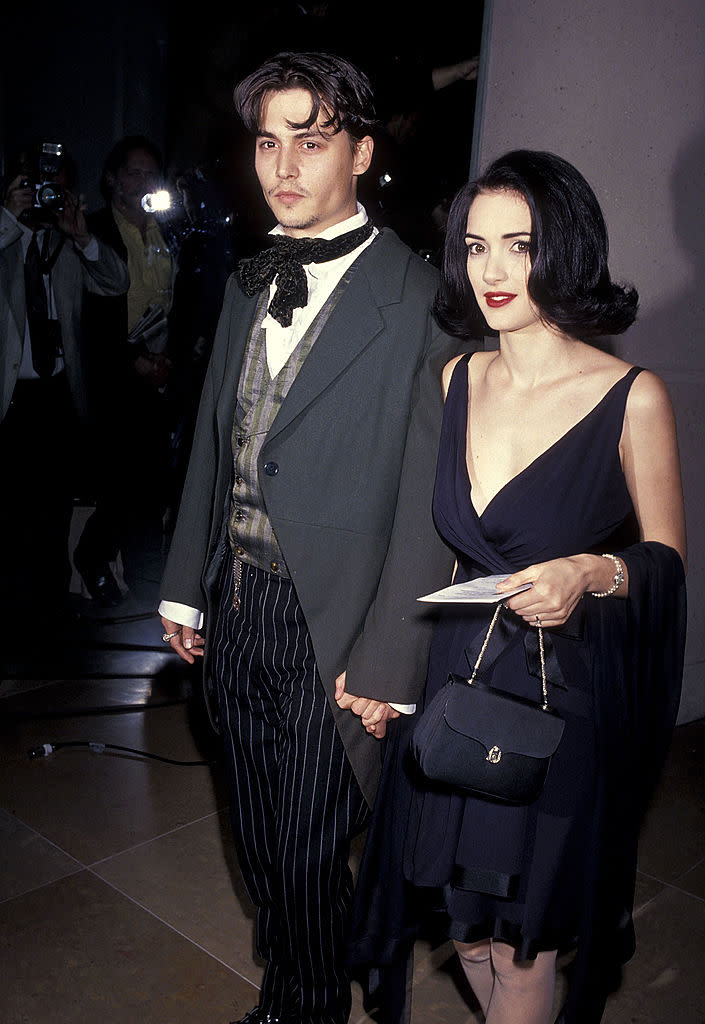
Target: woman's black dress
{"x":572,"y":498}
{"x":543,"y":861}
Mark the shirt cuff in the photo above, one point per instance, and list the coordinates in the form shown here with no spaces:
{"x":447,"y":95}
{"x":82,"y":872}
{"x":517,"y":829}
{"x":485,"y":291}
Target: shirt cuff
{"x":403,"y":709}
{"x":181,"y":613}
{"x":91,"y":251}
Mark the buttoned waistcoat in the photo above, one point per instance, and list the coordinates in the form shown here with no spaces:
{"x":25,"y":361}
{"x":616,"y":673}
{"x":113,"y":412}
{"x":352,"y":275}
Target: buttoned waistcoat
{"x":354,"y":445}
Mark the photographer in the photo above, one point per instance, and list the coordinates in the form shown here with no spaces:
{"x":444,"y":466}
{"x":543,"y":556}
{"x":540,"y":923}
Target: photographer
{"x":48,"y":260}
{"x":127,"y":380}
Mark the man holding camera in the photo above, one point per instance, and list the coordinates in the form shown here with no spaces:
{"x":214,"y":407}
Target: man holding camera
{"x":48,"y":260}
{"x":129,"y":380}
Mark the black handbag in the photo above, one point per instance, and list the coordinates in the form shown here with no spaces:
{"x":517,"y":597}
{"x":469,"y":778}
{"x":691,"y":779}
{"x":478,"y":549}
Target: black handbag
{"x":487,"y":742}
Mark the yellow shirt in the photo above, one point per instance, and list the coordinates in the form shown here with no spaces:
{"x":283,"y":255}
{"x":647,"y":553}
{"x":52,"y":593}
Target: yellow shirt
{"x":150,"y":266}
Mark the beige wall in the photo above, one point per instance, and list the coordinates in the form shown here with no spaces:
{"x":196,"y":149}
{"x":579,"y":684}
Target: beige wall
{"x":618,"y":88}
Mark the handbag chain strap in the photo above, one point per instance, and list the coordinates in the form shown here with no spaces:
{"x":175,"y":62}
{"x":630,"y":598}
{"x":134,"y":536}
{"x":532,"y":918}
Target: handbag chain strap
{"x":544,"y":687}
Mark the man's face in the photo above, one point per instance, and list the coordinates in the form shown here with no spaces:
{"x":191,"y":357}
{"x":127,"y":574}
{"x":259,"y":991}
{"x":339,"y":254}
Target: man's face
{"x":308,"y":176}
{"x":137,"y":176}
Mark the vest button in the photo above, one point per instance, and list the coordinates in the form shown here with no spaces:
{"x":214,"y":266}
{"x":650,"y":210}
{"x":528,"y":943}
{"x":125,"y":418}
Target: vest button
{"x":271,"y":468}
{"x":239,"y":551}
{"x":239,"y":481}
{"x":274,"y":566}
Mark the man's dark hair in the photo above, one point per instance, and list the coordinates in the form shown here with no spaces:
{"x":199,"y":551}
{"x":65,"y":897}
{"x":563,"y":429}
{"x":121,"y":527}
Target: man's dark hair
{"x":338,"y":90}
{"x":117,"y":157}
{"x":569,"y":282}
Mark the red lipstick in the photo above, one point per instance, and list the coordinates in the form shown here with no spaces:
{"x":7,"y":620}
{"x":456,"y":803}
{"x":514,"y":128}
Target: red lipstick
{"x":495,"y":300}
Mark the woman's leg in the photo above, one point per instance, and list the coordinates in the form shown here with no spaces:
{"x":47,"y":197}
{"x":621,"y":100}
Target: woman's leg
{"x":523,"y":990}
{"x":509,"y":992}
{"x":476,"y":961}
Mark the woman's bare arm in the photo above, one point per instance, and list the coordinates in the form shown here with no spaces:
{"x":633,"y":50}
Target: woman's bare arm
{"x":649,"y":450}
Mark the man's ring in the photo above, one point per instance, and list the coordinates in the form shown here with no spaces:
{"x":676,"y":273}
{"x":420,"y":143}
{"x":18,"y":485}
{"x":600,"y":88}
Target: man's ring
{"x":538,"y":620}
{"x":170,"y":636}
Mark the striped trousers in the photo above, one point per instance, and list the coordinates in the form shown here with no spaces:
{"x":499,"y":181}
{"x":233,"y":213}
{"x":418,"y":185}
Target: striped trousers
{"x":294,"y":800}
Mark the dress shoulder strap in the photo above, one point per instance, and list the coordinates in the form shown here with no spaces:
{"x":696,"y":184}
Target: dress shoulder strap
{"x":619,"y":392}
{"x":459,"y":374}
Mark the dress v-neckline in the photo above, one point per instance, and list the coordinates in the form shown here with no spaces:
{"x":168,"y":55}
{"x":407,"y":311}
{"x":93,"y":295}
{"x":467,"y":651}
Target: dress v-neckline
{"x":546,"y":452}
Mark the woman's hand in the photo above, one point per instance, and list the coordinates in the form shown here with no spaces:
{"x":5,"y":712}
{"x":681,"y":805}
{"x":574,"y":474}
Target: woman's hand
{"x":374,"y":714}
{"x":556,"y":588}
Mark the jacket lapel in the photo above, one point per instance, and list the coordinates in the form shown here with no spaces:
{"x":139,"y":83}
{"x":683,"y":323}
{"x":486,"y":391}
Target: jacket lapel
{"x":354,"y":322}
{"x":236,"y":319}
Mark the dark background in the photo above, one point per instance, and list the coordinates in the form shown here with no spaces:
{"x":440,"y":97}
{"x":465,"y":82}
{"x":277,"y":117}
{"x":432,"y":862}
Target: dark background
{"x":85,"y":74}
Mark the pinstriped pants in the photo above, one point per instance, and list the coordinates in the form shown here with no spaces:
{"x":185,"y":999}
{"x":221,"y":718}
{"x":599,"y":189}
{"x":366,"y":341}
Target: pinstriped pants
{"x":294,"y":800}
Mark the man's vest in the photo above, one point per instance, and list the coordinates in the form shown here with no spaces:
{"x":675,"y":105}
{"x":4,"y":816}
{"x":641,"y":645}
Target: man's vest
{"x":259,"y":398}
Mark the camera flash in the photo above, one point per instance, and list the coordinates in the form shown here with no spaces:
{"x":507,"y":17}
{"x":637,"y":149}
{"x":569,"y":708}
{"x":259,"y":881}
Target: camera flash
{"x":155,"y":202}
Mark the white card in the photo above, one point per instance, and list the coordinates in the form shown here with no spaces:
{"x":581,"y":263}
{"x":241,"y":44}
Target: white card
{"x":479,"y":591}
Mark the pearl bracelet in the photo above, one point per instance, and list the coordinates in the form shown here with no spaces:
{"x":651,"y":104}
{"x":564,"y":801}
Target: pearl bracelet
{"x":618,"y":578}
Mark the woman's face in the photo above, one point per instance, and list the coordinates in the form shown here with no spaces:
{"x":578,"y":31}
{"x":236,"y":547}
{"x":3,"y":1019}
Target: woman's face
{"x":498,"y":237}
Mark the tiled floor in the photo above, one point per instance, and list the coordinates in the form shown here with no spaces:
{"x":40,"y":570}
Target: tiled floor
{"x":120,"y":896}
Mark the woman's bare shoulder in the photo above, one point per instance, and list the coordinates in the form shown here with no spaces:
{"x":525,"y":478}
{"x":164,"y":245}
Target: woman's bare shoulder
{"x":591,"y":360}
{"x":648,"y":395}
{"x":448,"y":372}
{"x":451,"y":365}
{"x":599,"y":370}
{"x":479,"y":361}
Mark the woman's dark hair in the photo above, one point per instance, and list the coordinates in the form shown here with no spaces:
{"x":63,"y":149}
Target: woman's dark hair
{"x":569,"y":281}
{"x":117,"y":157}
{"x":337,"y":88}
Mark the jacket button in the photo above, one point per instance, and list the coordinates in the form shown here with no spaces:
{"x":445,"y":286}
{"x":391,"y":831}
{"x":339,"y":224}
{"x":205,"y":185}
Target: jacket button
{"x":271,"y":468}
{"x":274,"y":566}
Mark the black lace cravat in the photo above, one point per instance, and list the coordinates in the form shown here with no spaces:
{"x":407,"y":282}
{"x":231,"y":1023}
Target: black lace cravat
{"x":41,"y":338}
{"x":286,"y":260}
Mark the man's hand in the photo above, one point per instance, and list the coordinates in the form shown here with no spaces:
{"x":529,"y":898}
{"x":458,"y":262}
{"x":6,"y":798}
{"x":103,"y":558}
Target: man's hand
{"x":71,"y":220}
{"x":17,"y":198}
{"x":154,"y":366}
{"x":374,"y":713}
{"x":187,"y":643}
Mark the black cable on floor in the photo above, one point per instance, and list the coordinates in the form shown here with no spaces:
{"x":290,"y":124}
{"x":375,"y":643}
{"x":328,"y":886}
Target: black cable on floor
{"x":98,"y":748}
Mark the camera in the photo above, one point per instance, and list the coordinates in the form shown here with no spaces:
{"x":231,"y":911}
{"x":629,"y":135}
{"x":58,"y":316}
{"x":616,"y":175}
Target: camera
{"x":49,"y":197}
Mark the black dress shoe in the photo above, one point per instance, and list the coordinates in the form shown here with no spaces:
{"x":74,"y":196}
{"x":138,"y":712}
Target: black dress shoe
{"x":258,"y":1016}
{"x":100,"y":583}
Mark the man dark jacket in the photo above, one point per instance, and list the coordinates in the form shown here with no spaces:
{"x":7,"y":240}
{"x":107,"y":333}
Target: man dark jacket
{"x":349,"y":501}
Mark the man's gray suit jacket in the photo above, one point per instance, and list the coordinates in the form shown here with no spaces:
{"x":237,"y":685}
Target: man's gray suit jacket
{"x":354,"y":445}
{"x":71,"y":274}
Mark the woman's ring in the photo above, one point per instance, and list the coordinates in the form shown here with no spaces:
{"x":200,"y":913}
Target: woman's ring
{"x":170,"y":636}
